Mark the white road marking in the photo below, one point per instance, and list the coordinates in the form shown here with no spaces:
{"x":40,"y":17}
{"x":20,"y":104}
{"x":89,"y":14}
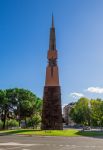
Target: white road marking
{"x":23,"y":146}
{"x":25,"y":149}
{"x":14,"y":147}
{"x":17,"y":144}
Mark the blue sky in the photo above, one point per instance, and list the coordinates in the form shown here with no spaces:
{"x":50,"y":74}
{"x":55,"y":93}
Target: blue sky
{"x":24,"y":41}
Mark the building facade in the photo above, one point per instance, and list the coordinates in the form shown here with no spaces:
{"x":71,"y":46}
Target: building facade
{"x":66,"y":114}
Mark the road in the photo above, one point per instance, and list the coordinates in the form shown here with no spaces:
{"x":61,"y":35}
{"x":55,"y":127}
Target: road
{"x":21,"y":142}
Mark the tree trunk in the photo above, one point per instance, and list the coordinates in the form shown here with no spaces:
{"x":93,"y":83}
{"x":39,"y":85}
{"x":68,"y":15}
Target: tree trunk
{"x":4,"y":120}
{"x":25,"y":123}
{"x":19,"y":122}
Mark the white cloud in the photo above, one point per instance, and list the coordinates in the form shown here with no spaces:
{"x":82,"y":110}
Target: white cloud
{"x":97,"y":90}
{"x":76,"y":95}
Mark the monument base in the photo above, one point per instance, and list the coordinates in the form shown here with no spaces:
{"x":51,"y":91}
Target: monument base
{"x":52,"y":113}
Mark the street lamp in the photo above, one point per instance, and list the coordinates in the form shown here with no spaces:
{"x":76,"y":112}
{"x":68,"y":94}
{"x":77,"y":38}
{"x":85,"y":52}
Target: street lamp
{"x":89,"y":105}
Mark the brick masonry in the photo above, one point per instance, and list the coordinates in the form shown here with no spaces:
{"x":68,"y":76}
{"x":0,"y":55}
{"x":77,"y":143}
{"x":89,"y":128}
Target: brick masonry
{"x":52,"y":113}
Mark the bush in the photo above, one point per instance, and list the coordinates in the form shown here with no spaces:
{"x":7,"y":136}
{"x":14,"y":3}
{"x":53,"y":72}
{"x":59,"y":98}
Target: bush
{"x":34,"y":121}
{"x":12,"y":123}
{"x":1,"y":124}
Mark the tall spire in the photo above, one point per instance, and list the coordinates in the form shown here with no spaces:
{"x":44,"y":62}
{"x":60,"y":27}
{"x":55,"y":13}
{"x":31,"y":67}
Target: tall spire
{"x":52,"y":21}
{"x":52,"y":111}
{"x":52,"y":42}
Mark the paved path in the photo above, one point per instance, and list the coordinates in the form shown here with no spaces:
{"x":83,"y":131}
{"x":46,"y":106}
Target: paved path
{"x":17,"y":142}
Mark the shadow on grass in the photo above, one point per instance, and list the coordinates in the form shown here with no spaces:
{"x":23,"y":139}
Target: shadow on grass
{"x":94,"y":134}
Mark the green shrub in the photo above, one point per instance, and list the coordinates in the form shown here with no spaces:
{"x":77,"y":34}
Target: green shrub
{"x":12,"y":123}
{"x":1,"y":124}
{"x":34,"y":121}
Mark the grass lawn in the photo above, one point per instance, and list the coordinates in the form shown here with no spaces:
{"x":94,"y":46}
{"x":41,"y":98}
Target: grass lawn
{"x":54,"y":133}
{"x":69,"y":132}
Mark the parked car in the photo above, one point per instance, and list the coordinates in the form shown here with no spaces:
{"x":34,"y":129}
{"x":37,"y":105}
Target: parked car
{"x":86,"y":128}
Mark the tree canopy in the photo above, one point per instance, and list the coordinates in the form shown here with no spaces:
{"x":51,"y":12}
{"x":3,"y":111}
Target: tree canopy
{"x":88,"y":112}
{"x":19,"y":104}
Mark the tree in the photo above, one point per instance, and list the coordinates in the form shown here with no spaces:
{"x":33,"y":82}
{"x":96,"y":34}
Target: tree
{"x":97,"y":112}
{"x":6,"y":105}
{"x":38,"y":106}
{"x":18,"y":104}
{"x":80,"y":113}
{"x":2,"y":106}
{"x":26,"y":103}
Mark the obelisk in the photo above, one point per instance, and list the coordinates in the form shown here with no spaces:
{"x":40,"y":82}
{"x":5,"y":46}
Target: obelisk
{"x":51,"y":111}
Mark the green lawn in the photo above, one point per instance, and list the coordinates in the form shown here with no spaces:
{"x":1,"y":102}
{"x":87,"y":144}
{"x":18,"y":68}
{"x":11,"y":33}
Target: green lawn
{"x":70,"y":132}
{"x":53,"y":133}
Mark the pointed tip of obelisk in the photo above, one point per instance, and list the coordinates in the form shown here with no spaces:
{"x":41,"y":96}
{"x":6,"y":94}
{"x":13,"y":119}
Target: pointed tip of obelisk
{"x":52,"y":21}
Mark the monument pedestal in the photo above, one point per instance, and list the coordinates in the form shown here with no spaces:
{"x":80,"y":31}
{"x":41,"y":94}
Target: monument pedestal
{"x":52,"y":113}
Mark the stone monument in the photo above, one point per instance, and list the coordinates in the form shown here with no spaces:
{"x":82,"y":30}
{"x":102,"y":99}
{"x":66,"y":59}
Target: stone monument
{"x":52,"y":112}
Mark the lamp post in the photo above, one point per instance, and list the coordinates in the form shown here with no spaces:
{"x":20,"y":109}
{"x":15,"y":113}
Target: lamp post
{"x":89,"y":105}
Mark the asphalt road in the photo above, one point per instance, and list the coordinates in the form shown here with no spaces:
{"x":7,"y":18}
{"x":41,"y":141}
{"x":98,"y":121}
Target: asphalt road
{"x":18,"y":142}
